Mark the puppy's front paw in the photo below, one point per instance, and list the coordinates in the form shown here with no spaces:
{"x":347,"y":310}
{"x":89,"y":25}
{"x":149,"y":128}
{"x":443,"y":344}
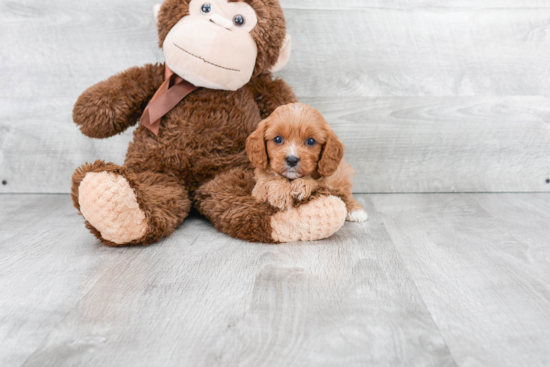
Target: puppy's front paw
{"x":302,"y":188}
{"x":358,"y":216}
{"x":282,"y":202}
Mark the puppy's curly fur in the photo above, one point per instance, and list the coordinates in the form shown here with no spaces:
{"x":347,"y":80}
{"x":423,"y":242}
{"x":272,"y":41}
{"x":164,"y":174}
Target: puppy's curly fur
{"x":296,"y":154}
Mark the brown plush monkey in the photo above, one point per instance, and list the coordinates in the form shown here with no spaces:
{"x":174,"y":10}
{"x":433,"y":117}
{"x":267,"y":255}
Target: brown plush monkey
{"x":195,"y":156}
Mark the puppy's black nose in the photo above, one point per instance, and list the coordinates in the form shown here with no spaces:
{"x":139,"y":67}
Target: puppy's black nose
{"x":292,"y":161}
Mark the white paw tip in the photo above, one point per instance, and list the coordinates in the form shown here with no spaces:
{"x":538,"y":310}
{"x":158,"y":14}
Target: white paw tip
{"x":358,"y":216}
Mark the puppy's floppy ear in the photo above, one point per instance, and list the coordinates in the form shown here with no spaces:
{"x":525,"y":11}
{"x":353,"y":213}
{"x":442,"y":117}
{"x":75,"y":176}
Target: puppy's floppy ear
{"x":332,"y":155}
{"x":256,"y":147}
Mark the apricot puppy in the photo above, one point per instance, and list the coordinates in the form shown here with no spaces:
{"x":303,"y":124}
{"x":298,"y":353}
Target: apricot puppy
{"x":296,"y":153}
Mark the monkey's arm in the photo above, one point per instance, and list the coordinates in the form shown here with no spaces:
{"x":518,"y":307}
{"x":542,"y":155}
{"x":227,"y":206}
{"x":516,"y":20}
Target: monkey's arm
{"x":110,"y":107}
{"x":271,"y":93}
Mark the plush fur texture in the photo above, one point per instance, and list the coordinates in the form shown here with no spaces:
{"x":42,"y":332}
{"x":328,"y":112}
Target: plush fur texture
{"x":110,"y":205}
{"x":163,"y":200}
{"x":299,"y":131}
{"x":328,"y":214}
{"x":199,"y":156}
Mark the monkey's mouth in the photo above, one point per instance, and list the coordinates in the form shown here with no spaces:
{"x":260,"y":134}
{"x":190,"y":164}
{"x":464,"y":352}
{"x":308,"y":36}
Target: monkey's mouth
{"x":206,"y":61}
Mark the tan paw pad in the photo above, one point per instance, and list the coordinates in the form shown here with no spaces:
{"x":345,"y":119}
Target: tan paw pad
{"x":316,"y":220}
{"x":110,"y":205}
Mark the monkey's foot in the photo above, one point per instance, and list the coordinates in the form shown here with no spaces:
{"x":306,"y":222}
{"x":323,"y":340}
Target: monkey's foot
{"x":318,"y":219}
{"x":110,"y":205}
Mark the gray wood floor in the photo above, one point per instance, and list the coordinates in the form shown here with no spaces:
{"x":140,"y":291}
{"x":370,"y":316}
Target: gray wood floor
{"x":430,"y":280}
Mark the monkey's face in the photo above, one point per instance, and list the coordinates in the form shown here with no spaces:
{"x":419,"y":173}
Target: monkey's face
{"x":212,"y":46}
{"x":215,"y":43}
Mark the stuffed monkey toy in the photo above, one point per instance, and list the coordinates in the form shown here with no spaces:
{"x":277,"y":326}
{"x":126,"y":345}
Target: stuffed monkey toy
{"x":195,"y":112}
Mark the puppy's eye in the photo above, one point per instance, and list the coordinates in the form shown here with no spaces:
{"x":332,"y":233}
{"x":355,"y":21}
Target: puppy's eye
{"x":206,"y":8}
{"x":311,"y":142}
{"x":278,"y":140}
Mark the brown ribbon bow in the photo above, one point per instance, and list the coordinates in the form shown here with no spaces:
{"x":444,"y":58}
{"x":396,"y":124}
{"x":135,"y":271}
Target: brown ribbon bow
{"x":171,"y":92}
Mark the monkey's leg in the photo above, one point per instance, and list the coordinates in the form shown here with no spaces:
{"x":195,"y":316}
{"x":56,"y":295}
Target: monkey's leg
{"x":227,"y":202}
{"x":122,"y":207}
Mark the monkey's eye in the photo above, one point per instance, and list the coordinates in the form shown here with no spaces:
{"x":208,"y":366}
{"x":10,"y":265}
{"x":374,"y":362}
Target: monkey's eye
{"x":239,"y":20}
{"x":206,"y":8}
{"x":311,"y":142}
{"x":278,"y":140}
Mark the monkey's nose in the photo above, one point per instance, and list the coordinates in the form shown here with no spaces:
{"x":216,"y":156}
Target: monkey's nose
{"x":292,"y":161}
{"x":221,"y":21}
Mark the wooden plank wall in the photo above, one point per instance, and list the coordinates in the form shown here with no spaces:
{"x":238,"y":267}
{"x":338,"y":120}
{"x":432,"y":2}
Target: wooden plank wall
{"x":428,"y":95}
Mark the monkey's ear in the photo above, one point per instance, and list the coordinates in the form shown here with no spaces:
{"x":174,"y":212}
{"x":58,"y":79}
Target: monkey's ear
{"x":332,"y":155}
{"x":256,"y":148}
{"x":284,"y":55}
{"x":156,"y":10}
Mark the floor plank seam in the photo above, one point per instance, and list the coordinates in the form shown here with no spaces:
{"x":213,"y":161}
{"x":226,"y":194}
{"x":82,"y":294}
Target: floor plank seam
{"x":417,"y":289}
